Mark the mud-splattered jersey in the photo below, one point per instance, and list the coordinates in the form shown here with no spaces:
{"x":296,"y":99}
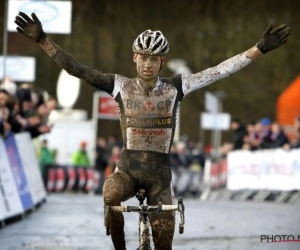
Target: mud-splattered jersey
{"x":148,"y":119}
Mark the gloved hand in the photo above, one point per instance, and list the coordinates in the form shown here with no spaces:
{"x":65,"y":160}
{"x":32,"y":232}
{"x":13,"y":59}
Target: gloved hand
{"x":31,"y":28}
{"x":272,"y":39}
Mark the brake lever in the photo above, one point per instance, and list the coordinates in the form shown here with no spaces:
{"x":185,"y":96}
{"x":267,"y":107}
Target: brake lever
{"x":181,"y":212}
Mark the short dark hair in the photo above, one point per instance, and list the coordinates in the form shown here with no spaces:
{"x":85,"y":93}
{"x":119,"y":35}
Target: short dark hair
{"x":237,"y":120}
{"x":4,"y":91}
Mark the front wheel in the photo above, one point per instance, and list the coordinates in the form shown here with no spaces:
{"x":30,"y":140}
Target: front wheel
{"x":144,"y":233}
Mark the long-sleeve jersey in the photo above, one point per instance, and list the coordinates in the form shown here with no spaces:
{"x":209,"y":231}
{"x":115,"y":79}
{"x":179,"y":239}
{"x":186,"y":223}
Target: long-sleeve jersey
{"x":148,"y":119}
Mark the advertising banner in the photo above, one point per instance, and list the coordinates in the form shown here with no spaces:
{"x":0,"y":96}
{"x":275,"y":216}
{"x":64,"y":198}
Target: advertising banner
{"x":18,"y":68}
{"x":18,"y":172}
{"x":277,"y":170}
{"x":10,"y":203}
{"x":55,"y":16}
{"x":105,"y":106}
{"x":31,"y":167}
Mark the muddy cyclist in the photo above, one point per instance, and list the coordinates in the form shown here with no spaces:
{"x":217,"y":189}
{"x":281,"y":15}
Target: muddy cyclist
{"x":147,"y":106}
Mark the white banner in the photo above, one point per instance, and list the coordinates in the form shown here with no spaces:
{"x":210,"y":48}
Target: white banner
{"x":55,"y":16}
{"x":10,"y":202}
{"x":218,"y":121}
{"x":211,"y":103}
{"x":264,"y":170}
{"x":30,"y":166}
{"x":18,"y":68}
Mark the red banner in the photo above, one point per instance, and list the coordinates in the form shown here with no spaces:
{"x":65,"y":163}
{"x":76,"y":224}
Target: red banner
{"x":107,"y":107}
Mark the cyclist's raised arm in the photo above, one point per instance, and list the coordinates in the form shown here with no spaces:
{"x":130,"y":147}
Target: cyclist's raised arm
{"x":271,"y":39}
{"x":32,"y":28}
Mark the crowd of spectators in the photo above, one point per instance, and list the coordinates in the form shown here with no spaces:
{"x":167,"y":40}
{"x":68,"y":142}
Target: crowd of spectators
{"x":263,"y":134}
{"x":24,"y":108}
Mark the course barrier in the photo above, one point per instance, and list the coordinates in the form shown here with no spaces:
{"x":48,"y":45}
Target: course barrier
{"x":69,"y":178}
{"x":262,"y":175}
{"x":21,"y":185}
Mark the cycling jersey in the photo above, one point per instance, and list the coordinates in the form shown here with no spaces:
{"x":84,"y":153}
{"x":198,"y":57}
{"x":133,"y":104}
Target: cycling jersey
{"x":148,"y":118}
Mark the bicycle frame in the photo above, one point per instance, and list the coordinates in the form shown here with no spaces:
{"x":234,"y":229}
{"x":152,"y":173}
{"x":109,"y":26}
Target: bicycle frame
{"x":144,"y":210}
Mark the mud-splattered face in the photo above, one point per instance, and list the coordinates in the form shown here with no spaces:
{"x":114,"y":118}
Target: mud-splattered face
{"x":147,"y":66}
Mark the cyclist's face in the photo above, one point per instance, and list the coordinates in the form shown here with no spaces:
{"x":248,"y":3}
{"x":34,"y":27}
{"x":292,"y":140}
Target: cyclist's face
{"x":147,"y":66}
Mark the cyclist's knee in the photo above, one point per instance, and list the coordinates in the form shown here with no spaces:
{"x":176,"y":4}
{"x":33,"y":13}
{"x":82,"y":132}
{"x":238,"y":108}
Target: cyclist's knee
{"x":112,"y":191}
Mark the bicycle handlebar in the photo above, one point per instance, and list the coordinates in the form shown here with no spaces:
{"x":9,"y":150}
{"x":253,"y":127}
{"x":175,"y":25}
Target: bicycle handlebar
{"x":148,"y":209}
{"x":144,"y":208}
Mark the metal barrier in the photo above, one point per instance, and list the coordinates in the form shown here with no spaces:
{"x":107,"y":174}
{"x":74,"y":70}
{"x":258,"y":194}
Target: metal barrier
{"x":21,"y":184}
{"x":266,"y":175}
{"x":69,"y":178}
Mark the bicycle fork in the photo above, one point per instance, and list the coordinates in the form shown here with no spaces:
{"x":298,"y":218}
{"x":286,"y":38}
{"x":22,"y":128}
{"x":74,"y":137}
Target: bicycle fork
{"x":144,"y":230}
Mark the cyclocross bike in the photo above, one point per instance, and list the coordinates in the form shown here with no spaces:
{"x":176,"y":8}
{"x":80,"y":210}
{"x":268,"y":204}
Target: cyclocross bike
{"x":143,"y":210}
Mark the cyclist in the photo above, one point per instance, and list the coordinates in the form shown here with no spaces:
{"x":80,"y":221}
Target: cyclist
{"x":147,"y":106}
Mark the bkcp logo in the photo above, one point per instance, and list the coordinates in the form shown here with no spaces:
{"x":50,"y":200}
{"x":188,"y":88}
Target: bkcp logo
{"x":148,"y":106}
{"x":279,"y":238}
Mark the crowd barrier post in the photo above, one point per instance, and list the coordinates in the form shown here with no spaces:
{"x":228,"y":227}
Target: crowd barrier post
{"x":72,"y":177}
{"x":51,"y":179}
{"x":82,"y":178}
{"x":90,"y":179}
{"x":60,"y":179}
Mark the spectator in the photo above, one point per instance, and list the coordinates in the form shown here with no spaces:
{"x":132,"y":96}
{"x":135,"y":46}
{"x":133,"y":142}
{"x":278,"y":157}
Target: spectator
{"x":5,"y":126}
{"x":258,"y":135}
{"x":51,"y":103}
{"x":115,"y":157}
{"x":266,"y":132}
{"x":297,"y":143}
{"x":46,"y":158}
{"x":4,"y":113}
{"x":183,"y":174}
{"x":277,"y":138}
{"x":9,"y":85}
{"x":184,"y":159}
{"x":239,"y":132}
{"x":80,"y":158}
{"x":4,"y":96}
{"x":101,"y":163}
{"x":197,"y":153}
{"x":174,"y":158}
{"x":24,"y":97}
{"x":251,"y":140}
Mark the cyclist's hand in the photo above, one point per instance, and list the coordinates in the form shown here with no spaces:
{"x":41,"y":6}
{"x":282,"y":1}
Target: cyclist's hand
{"x":31,"y":28}
{"x":272,"y":39}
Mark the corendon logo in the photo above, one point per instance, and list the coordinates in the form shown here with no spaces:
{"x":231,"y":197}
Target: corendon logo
{"x":147,"y":132}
